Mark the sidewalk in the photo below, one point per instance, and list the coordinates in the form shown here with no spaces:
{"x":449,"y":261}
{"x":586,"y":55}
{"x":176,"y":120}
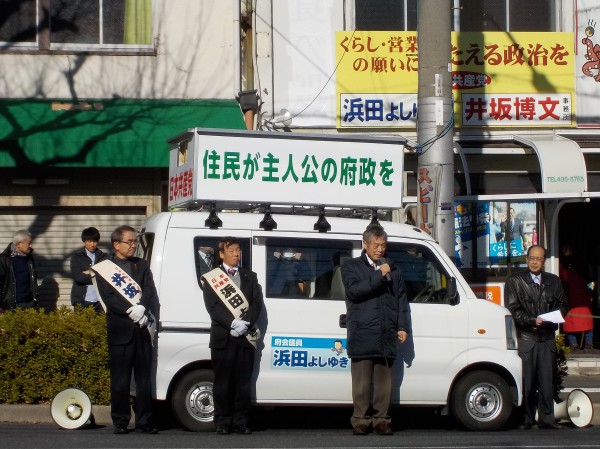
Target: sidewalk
{"x":584,"y":374}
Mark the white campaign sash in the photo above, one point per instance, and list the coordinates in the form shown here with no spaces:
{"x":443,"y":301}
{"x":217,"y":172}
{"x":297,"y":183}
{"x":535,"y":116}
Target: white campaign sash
{"x":232,"y":297}
{"x":124,"y":284}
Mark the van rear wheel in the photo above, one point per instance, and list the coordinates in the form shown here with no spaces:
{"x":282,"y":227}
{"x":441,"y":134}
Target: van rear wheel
{"x":482,"y":400}
{"x":192,"y":401}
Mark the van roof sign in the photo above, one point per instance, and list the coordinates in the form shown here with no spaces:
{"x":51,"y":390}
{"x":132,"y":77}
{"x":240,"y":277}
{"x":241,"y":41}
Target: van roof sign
{"x":285,"y":168}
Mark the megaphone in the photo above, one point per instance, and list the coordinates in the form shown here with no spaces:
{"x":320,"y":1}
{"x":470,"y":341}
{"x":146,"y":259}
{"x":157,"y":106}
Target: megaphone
{"x":577,"y":408}
{"x":71,"y":409}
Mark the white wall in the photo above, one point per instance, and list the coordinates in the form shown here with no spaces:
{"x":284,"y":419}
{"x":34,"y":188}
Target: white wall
{"x":195,"y":59}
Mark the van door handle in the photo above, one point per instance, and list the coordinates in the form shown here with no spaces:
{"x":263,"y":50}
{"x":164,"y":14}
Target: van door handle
{"x":343,"y":320}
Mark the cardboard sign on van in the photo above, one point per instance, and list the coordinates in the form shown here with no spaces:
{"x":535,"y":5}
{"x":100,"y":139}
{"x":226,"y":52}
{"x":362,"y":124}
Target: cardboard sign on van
{"x":285,"y":168}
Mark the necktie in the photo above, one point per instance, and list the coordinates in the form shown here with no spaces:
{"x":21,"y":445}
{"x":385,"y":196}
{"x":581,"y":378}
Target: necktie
{"x":231,"y":271}
{"x":208,"y":261}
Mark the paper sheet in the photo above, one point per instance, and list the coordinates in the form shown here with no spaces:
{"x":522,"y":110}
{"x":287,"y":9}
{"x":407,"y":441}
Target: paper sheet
{"x":555,"y":317}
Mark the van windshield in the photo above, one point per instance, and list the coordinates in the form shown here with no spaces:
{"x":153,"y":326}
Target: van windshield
{"x":425,"y":279}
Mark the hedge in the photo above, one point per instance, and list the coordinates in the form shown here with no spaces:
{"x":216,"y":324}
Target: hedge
{"x":41,"y":354}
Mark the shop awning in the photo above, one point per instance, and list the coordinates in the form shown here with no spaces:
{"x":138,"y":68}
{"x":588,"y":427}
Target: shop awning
{"x":103,"y":133}
{"x":562,"y":167}
{"x":561,"y":163}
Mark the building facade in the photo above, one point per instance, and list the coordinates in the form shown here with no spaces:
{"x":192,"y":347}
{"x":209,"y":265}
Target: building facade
{"x":91,"y":90}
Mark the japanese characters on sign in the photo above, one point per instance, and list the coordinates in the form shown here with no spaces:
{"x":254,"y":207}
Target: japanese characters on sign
{"x":521,"y":79}
{"x":269,"y":167}
{"x":300,"y":353}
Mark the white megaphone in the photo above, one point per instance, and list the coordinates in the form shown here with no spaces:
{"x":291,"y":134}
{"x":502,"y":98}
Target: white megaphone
{"x":71,"y":409}
{"x":577,"y":408}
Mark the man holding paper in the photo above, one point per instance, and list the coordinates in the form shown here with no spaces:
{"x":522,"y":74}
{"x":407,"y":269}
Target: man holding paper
{"x":537,"y":302}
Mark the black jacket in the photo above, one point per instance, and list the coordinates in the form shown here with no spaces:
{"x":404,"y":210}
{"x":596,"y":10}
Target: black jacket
{"x":376,"y":309}
{"x":80,"y":262}
{"x":119,"y":326}
{"x":526,"y":301}
{"x":221,"y":317}
{"x":8,"y":283}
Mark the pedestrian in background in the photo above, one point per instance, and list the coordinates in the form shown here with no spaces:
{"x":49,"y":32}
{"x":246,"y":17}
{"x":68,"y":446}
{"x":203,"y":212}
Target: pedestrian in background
{"x":18,"y":276}
{"x":83,"y":291}
{"x":378,"y":317}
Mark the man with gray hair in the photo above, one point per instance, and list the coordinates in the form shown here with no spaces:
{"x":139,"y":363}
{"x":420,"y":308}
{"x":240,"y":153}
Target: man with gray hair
{"x":18,"y":277}
{"x":378,"y":317}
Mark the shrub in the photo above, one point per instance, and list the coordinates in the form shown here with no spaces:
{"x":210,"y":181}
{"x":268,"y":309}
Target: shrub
{"x":560,"y":366}
{"x":41,"y":354}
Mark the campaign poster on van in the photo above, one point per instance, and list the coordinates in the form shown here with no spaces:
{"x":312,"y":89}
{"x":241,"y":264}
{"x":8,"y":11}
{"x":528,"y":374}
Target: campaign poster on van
{"x":301,"y":353}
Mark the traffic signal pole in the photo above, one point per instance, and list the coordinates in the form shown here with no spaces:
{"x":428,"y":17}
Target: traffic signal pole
{"x":435,"y":177}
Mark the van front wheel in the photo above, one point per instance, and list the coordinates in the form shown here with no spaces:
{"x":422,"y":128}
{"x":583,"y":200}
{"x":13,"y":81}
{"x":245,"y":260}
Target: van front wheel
{"x":482,"y":400}
{"x":192,"y":401}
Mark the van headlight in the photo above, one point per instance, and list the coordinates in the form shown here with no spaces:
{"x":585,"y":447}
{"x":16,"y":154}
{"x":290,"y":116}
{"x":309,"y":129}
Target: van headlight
{"x":511,"y":332}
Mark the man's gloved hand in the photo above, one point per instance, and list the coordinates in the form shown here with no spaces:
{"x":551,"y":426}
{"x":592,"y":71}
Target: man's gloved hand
{"x":234,"y":333}
{"x":136,"y":312}
{"x":240,"y":326}
{"x":143,"y":322}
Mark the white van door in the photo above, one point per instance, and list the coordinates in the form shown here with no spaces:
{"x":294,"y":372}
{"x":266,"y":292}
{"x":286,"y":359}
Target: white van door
{"x":438,"y":346}
{"x":304,"y":357}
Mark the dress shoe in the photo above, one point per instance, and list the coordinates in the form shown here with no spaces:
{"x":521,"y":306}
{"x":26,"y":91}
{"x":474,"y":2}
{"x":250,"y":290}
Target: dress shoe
{"x":147,"y":430}
{"x":119,"y":430}
{"x":360,"y":429}
{"x":549,"y":426}
{"x":382,"y":429}
{"x":223,"y":430}
{"x":243,"y":429}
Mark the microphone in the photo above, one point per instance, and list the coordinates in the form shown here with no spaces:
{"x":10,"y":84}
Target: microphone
{"x":387,"y":276}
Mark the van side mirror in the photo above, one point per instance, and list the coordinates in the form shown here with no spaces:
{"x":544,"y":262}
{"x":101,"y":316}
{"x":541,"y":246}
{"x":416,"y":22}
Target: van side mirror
{"x":452,"y":291}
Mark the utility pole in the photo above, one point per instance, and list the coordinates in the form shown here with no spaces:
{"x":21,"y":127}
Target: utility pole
{"x":435,"y":177}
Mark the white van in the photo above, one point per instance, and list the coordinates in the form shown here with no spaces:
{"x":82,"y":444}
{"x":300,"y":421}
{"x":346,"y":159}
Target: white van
{"x":461,"y":357}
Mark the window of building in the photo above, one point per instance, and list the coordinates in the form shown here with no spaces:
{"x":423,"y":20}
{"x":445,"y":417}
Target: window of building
{"x":492,"y":238}
{"x":306,"y":268}
{"x":507,"y":15}
{"x":76,"y":25}
{"x":384,"y":15}
{"x":470,"y":15}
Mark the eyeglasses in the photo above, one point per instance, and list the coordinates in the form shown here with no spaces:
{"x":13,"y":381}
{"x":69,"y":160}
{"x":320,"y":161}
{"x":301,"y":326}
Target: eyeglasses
{"x":129,"y":242}
{"x":536,"y":259}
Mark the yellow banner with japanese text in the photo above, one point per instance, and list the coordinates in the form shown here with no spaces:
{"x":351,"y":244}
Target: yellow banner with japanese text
{"x":498,"y":79}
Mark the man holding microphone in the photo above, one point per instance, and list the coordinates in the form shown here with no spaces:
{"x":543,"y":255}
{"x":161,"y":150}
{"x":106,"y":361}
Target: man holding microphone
{"x":378,"y":316}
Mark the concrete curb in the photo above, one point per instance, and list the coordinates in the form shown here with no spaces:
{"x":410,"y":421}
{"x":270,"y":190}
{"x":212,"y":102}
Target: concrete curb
{"x":37,"y":414}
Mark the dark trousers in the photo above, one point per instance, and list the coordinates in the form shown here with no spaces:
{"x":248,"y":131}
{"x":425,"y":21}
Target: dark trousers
{"x":538,"y":362}
{"x":364,"y":373}
{"x":233,"y":367}
{"x":136,"y":356}
{"x":97,"y":306}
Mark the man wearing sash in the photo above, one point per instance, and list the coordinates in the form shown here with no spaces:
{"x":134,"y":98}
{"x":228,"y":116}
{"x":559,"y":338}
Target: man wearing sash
{"x":234,"y":300}
{"x":129,"y":342}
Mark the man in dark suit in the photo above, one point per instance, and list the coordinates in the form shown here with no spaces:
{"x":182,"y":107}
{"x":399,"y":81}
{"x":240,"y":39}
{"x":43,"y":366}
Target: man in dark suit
{"x":129,"y":344}
{"x":83,"y":292}
{"x":232,"y":354}
{"x":530,"y":293}
{"x":512,"y":228}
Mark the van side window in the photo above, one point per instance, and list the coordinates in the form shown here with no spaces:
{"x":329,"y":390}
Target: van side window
{"x":206,"y":254}
{"x":305,"y":268}
{"x":425,"y":279}
{"x":145,"y":244}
